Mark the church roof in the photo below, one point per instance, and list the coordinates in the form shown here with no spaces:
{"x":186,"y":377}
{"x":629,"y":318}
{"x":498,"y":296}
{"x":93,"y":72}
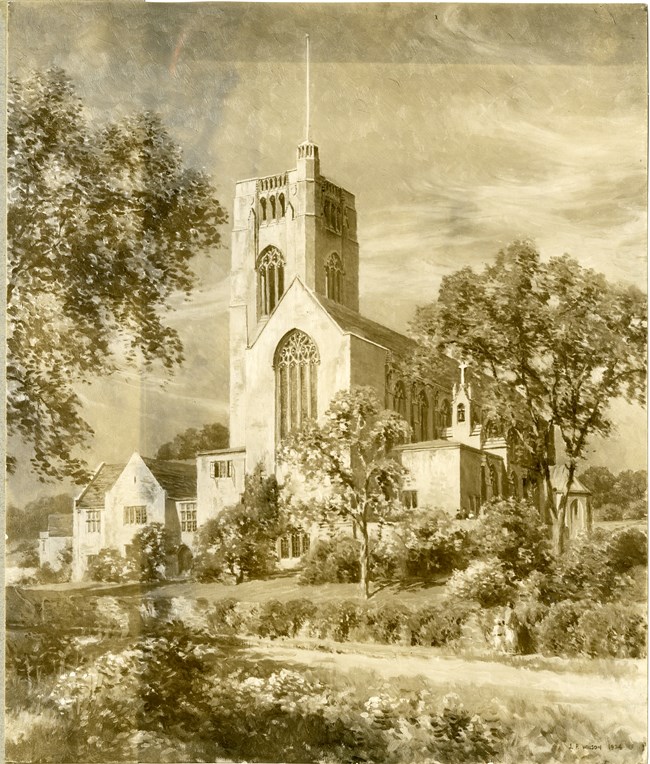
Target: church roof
{"x":559,"y":480}
{"x":353,"y":322}
{"x":178,"y":480}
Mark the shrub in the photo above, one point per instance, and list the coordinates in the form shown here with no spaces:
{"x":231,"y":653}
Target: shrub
{"x":429,"y":544}
{"x":207,"y":567}
{"x":336,"y":619}
{"x":387,"y":622}
{"x":109,"y":566}
{"x":148,"y":551}
{"x":332,"y":561}
{"x":28,"y":555}
{"x":558,"y":632}
{"x":513,"y":532}
{"x":224,"y":617}
{"x":437,"y":625}
{"x":627,"y":548}
{"x":612,"y":630}
{"x":274,"y":620}
{"x":486,"y":582}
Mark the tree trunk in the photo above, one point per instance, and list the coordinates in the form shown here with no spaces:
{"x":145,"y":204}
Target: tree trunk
{"x":364,"y":560}
{"x":558,"y":533}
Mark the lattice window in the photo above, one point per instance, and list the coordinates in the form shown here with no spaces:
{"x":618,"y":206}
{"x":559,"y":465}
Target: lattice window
{"x":222,"y":469}
{"x":187,"y":512}
{"x":135,"y":515}
{"x":333,"y":276}
{"x":296,"y":367}
{"x":93,"y":521}
{"x":270,"y":279}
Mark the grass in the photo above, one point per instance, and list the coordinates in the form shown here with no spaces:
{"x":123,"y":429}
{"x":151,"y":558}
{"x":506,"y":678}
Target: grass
{"x":286,"y":587}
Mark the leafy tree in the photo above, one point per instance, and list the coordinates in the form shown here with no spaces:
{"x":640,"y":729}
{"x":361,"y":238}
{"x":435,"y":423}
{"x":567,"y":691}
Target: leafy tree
{"x":349,"y":467}
{"x":615,"y":497}
{"x":513,"y":532}
{"x":187,"y":444}
{"x":148,"y":552}
{"x":32,"y":519}
{"x":102,"y":224}
{"x":554,"y":343}
{"x":600,"y":481}
{"x":240,"y":541}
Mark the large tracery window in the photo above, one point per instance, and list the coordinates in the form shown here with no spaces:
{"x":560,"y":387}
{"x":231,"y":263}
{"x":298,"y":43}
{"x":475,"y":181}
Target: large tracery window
{"x":270,"y":280}
{"x":296,"y":378}
{"x":333,"y":273}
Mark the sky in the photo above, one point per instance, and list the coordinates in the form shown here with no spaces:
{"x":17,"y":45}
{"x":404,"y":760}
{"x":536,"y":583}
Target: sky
{"x":459,"y":128}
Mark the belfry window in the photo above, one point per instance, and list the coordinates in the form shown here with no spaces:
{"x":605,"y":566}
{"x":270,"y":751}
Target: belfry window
{"x":296,"y":381}
{"x":270,"y":280}
{"x":460,"y":413}
{"x":333,"y":273}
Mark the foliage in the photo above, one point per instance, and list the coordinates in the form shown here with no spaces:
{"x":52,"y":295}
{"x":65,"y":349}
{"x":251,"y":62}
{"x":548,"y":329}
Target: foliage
{"x":426,"y":544}
{"x":29,"y":557}
{"x":512,"y":531}
{"x":388,"y":621}
{"x":597,"y":630}
{"x":29,"y":521}
{"x":284,"y":619}
{"x":110,"y":566}
{"x":102,"y":225}
{"x":34,"y":655}
{"x":148,"y":551}
{"x":331,"y":561}
{"x":187,"y":444}
{"x":349,"y":467}
{"x":627,"y":548}
{"x":627,"y":488}
{"x":438,"y":625}
{"x":556,"y":343}
{"x":240,"y":541}
{"x":486,"y":582}
{"x":336,"y":619}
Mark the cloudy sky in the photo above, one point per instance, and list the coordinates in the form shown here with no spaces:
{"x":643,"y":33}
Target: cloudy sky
{"x":458,"y":127}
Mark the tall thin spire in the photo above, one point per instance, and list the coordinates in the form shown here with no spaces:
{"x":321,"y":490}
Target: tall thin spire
{"x":307,"y":115}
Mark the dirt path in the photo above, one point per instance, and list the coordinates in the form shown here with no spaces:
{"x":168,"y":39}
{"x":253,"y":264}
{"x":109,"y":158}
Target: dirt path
{"x":615,"y":700}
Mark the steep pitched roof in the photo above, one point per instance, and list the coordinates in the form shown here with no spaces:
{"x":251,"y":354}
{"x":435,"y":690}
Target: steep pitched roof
{"x":559,"y":480}
{"x":353,"y":322}
{"x":176,"y":478}
{"x":103,"y":480}
{"x":59,"y":525}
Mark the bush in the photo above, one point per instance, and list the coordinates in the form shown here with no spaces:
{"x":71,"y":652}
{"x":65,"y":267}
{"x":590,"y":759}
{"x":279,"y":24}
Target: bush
{"x":429,"y":544}
{"x":207,"y":567}
{"x":109,"y":566}
{"x":28,"y":555}
{"x":437,"y":625}
{"x":387,"y":622}
{"x":486,"y":582}
{"x":596,"y":630}
{"x":627,"y":548}
{"x":332,"y":561}
{"x":336,"y":619}
{"x":513,"y":532}
{"x":148,"y":551}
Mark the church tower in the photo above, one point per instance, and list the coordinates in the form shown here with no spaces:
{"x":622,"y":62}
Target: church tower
{"x":294,"y":224}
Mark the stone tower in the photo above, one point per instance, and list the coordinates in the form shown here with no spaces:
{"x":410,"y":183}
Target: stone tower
{"x":295,"y":224}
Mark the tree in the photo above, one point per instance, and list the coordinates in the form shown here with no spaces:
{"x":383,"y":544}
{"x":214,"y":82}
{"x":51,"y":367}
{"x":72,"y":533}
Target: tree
{"x":148,"y":552}
{"x":187,"y":444}
{"x":32,"y":519}
{"x":553,"y":344}
{"x":240,"y":540}
{"x":601,"y":482}
{"x":349,"y":467}
{"x":102,"y":224}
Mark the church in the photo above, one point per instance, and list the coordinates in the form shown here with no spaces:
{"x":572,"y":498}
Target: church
{"x":296,"y":339}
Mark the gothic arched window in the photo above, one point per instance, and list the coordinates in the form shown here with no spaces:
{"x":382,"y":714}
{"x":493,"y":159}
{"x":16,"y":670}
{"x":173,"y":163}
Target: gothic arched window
{"x":283,"y":207}
{"x":460,"y":413}
{"x":263,"y":206}
{"x":420,"y":416}
{"x":399,"y":399}
{"x":445,"y":414}
{"x":296,"y":377}
{"x":272,"y":200}
{"x":512,"y":485}
{"x":333,"y":273}
{"x":270,"y":280}
{"x":494,"y":480}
